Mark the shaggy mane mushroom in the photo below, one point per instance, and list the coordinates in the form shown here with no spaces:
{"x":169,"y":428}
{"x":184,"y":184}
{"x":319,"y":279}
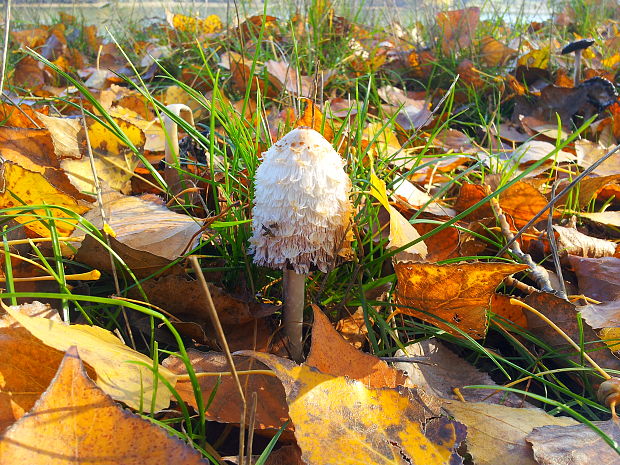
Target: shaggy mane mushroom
{"x":301,"y":216}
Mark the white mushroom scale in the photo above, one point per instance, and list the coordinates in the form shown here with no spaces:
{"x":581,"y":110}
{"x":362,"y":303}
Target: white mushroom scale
{"x":301,"y":216}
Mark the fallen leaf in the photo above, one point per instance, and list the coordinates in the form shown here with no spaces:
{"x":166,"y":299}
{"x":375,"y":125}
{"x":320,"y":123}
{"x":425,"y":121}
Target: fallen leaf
{"x":521,"y":201}
{"x":494,"y":53}
{"x":438,"y":376}
{"x":50,"y":188}
{"x":338,"y":420}
{"x":146,"y":226}
{"x":353,"y":328}
{"x":401,"y":231}
{"x":574,"y":444}
{"x":226,"y":407}
{"x":27,"y":368}
{"x":312,"y":117}
{"x":564,"y":314}
{"x":412,"y":113}
{"x":117,"y":373}
{"x":74,"y":420}
{"x":457,"y":28}
{"x":572,"y":242}
{"x":331,"y":354}
{"x":459,"y":293}
{"x":608,"y":218}
{"x":496,"y":434}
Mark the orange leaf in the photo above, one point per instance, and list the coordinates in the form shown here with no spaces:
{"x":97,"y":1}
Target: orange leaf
{"x":459,"y":293}
{"x":74,"y":420}
{"x":330,"y":353}
{"x":314,"y":118}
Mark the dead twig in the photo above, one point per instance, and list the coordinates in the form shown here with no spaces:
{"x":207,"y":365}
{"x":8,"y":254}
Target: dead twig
{"x":537,"y":272}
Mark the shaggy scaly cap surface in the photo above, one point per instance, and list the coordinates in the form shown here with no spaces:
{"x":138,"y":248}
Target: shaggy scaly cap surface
{"x":302,"y":211}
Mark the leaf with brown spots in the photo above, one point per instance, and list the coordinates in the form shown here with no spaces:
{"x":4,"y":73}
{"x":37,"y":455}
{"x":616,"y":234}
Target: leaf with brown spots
{"x":339,"y":420}
{"x":459,"y":293}
{"x":330,"y":353}
{"x":74,"y":421}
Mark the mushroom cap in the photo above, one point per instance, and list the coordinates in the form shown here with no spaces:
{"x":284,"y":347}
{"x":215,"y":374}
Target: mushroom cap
{"x":577,"y":45}
{"x":302,"y":212}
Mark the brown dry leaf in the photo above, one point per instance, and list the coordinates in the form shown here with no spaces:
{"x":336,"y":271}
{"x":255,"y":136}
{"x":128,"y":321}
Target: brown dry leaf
{"x":572,"y":242}
{"x":142,"y":264}
{"x":287,"y":78}
{"x":459,"y":293}
{"x":73,"y":422}
{"x":564,"y":314}
{"x":574,"y":444}
{"x":608,"y":218}
{"x":271,"y":409}
{"x":29,"y":369}
{"x":30,"y":74}
{"x":494,"y":53}
{"x":146,"y":226}
{"x":117,"y":373}
{"x":338,"y":420}
{"x":437,"y":375}
{"x":401,"y":231}
{"x":312,"y":117}
{"x":598,"y":278}
{"x":412,"y":113}
{"x":442,"y":245}
{"x":457,"y":28}
{"x":590,"y":187}
{"x":331,"y":354}
{"x":496,"y":434}
{"x":588,"y":152}
{"x":353,"y":328}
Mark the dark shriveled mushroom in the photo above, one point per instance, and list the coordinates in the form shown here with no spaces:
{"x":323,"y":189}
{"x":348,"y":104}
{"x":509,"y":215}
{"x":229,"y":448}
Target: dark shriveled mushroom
{"x":301,"y":217}
{"x":578,"y":46}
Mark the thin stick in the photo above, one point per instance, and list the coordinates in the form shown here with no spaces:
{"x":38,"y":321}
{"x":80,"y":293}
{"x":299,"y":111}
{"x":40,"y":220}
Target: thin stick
{"x":215,"y":320}
{"x":105,"y":223}
{"x":559,"y":330}
{"x":252,"y":425}
{"x":5,"y":46}
{"x":561,"y":292}
{"x":539,"y":274}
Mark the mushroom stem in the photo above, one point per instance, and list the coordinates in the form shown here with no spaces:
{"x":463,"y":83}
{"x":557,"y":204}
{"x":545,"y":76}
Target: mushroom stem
{"x":294,"y":303}
{"x":577,"y":75}
{"x":173,"y":165}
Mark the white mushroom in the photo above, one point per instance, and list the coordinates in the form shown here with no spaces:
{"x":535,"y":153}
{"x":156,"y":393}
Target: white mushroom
{"x":302,"y":216}
{"x":173,"y":165}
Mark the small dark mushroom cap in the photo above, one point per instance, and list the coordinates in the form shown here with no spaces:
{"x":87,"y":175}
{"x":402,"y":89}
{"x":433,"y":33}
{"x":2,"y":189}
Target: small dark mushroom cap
{"x":577,"y":45}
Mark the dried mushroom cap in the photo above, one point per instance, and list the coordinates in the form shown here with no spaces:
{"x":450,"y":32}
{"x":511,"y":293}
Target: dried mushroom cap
{"x":302,"y":211}
{"x":577,"y":45}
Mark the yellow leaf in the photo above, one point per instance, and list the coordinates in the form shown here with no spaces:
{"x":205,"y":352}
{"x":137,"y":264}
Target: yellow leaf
{"x":118,"y":374}
{"x":34,"y":189}
{"x":401,"y":231}
{"x":535,"y":59}
{"x":74,"y":422}
{"x":338,"y":420}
